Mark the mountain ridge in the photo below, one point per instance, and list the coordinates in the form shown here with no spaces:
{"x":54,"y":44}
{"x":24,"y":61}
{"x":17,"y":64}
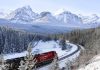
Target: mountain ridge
{"x":25,"y":15}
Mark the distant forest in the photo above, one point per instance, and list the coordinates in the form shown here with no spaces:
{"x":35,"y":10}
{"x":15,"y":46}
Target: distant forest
{"x":12,"y":40}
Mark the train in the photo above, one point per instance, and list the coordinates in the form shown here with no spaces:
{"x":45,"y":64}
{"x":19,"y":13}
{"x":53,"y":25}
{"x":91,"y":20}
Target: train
{"x":42,"y":60}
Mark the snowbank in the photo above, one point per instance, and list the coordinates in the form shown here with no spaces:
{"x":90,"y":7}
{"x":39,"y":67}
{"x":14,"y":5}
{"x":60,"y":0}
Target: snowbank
{"x":93,"y":65}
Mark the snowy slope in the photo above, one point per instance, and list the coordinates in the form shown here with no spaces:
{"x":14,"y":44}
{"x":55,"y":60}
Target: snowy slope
{"x":67,"y":17}
{"x":90,"y":19}
{"x":94,"y":64}
{"x":42,"y":47}
{"x":43,"y":28}
{"x":2,"y":14}
{"x":22,"y":15}
{"x":64,"y":21}
{"x":46,"y":17}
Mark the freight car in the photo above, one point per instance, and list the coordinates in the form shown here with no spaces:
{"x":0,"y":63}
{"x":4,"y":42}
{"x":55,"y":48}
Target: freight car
{"x":42,"y":59}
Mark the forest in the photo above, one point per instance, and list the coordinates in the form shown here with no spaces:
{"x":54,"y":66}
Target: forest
{"x":12,"y":40}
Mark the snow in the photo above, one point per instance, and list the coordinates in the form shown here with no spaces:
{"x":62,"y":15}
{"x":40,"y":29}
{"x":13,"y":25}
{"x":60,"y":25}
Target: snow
{"x":59,"y":11}
{"x":94,"y":64}
{"x":22,"y":15}
{"x":25,"y":15}
{"x":36,"y":28}
{"x":3,"y":13}
{"x":71,"y":59}
{"x":42,"y":47}
{"x":68,"y":18}
{"x":25,"y":19}
{"x":47,"y":67}
{"x":42,"y":28}
{"x":94,"y":18}
{"x":47,"y":18}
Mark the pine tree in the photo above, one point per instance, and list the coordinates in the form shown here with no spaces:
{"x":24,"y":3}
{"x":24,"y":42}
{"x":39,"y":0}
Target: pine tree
{"x":62,"y":43}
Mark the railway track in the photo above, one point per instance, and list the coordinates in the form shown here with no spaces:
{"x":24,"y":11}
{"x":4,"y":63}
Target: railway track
{"x":70,"y":54}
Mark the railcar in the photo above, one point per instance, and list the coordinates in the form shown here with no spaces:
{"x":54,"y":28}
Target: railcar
{"x":42,"y":59}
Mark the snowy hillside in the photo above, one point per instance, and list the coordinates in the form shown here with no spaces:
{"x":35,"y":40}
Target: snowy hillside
{"x":22,"y":15}
{"x":90,"y":19}
{"x":46,"y":17}
{"x":94,"y":64}
{"x":26,"y":15}
{"x":42,"y":47}
{"x":46,"y":23}
{"x":2,"y":15}
{"x":67,"y":17}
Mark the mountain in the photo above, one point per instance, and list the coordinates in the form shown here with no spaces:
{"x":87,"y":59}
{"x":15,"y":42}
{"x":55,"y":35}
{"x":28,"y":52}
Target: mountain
{"x":25,"y":15}
{"x":90,"y":19}
{"x":22,"y":15}
{"x":68,"y":17}
{"x":2,"y":15}
{"x":46,"y":17}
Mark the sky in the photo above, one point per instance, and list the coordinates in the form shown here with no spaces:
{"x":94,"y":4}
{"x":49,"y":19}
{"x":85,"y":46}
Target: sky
{"x":85,"y":7}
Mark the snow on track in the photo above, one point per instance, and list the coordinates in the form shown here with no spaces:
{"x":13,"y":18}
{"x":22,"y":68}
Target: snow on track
{"x":63,"y":55}
{"x":45,"y":47}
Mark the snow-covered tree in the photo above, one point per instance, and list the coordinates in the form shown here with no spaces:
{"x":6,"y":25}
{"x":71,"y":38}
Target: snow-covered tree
{"x":22,"y":65}
{"x":29,"y":61}
{"x":12,"y":40}
{"x":62,"y":43}
{"x":3,"y":65}
{"x":54,"y":64}
{"x":68,"y":65}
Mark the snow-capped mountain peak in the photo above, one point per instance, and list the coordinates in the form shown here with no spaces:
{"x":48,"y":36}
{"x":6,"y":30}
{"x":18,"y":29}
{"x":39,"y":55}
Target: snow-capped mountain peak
{"x":90,"y":19}
{"x":2,"y":15}
{"x":67,"y":17}
{"x":43,"y":14}
{"x":60,"y":11}
{"x":46,"y":17}
{"x":22,"y":14}
{"x":25,"y":15}
{"x":26,"y":7}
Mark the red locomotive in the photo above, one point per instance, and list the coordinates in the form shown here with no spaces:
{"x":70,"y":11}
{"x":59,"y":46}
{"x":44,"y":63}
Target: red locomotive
{"x":42,"y":59}
{"x":45,"y":58}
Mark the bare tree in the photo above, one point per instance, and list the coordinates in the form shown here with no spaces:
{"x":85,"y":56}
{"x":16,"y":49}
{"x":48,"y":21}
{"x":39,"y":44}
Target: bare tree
{"x":29,"y":61}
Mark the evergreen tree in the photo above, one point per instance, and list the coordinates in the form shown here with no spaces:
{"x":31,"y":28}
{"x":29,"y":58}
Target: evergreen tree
{"x":62,"y":43}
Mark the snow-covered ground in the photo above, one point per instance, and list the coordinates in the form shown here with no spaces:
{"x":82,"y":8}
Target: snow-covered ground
{"x":42,"y":47}
{"x":94,"y":64}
